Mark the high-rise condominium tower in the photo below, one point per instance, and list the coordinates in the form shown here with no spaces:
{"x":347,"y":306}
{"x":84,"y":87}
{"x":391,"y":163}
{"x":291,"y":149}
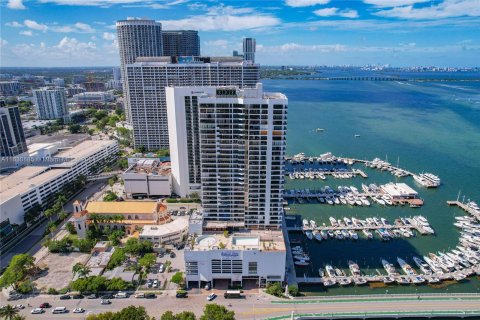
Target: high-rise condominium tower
{"x":148,"y":77}
{"x":180,"y":43}
{"x":12,"y":141}
{"x":228,"y":144}
{"x":249,"y":48}
{"x":137,"y":38}
{"x":50,"y":103}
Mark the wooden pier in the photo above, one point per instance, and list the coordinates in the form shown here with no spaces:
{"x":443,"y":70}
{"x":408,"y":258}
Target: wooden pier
{"x":379,"y":278}
{"x":361,"y":228}
{"x":465,"y":208}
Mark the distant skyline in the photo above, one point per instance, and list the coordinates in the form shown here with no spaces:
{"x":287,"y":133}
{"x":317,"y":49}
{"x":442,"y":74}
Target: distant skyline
{"x":70,"y":33}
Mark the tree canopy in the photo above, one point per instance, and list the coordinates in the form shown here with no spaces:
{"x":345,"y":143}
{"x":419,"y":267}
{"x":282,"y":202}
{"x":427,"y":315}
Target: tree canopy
{"x":213,"y":311}
{"x":20,"y":266}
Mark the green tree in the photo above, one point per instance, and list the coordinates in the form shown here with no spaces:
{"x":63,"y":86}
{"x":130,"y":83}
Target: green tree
{"x":20,"y":266}
{"x":19,"y":317}
{"x":26,"y":286}
{"x":178,"y":278}
{"x":117,"y":258}
{"x":138,"y":247}
{"x":81,"y":269}
{"x":115,"y":236}
{"x":110,"y":196}
{"x":49,"y":213}
{"x":70,"y":228}
{"x":62,"y":215}
{"x":213,"y":311}
{"x":147,"y":260}
{"x":185,"y":315}
{"x":275,"y":289}
{"x":74,"y":128}
{"x":293,"y":290}
{"x":8,"y":312}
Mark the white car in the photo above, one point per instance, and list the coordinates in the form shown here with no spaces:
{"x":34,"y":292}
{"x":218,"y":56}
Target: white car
{"x":211,"y":296}
{"x":78,"y":310}
{"x":37,"y":311}
{"x":19,"y":306}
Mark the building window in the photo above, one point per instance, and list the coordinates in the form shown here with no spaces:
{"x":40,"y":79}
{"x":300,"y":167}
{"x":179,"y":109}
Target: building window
{"x":79,"y":227}
{"x":191,"y":268}
{"x":252,"y":267}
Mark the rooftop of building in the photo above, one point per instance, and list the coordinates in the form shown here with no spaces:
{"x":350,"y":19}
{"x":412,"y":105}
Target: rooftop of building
{"x":150,"y":167}
{"x":177,"y":225}
{"x":67,"y":139}
{"x":29,"y":177}
{"x":264,"y":240}
{"x":398,"y":189}
{"x":187,"y":60}
{"x":123,"y":207}
{"x":26,"y":178}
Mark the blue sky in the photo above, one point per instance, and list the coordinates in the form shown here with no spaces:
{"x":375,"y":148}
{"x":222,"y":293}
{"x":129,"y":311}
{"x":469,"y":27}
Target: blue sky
{"x":288,"y":32}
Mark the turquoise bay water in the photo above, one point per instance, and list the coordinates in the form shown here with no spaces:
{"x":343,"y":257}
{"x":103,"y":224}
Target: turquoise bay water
{"x":426,"y":126}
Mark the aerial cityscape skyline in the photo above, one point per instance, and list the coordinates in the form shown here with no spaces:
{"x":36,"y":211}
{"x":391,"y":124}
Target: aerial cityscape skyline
{"x":194,"y":178}
{"x":322,"y":32}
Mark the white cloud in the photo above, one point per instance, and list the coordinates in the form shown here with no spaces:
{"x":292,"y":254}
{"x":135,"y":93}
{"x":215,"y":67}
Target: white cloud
{"x":35,"y":25}
{"x":14,"y":24}
{"x":16,"y":5}
{"x":3,"y":42}
{"x":445,"y":9}
{"x":305,"y":3}
{"x":328,"y":12}
{"x":83,"y":27}
{"x":109,"y":36}
{"x":217,"y":44}
{"x":222,"y":22}
{"x":393,"y":3}
{"x":73,"y":46}
{"x":296,"y":47}
{"x":107,"y":3}
{"x":28,"y":33}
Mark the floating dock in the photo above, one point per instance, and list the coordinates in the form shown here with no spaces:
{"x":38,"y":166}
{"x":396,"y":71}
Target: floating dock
{"x":466,"y":208}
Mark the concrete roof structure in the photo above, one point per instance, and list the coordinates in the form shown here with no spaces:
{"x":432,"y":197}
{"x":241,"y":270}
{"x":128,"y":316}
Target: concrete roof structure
{"x":177,"y":225}
{"x":265,"y":240}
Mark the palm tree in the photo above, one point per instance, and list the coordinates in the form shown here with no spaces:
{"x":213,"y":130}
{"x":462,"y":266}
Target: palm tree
{"x":19,"y":317}
{"x":81,"y":270}
{"x":8,"y":312}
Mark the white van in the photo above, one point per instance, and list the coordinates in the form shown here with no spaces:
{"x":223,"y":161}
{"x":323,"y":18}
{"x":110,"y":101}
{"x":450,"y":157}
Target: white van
{"x":59,"y":310}
{"x":121,"y":295}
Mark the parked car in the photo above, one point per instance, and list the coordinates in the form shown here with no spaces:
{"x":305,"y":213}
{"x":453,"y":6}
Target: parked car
{"x":77,"y":296}
{"x":78,"y":310}
{"x":150,"y":296}
{"x":59,"y":310}
{"x":172,"y":255}
{"x":161,"y":269}
{"x":140,"y":295}
{"x":149,"y":283}
{"x":106,"y":296}
{"x":121,"y":295}
{"x":208,"y":286}
{"x":65,"y":297}
{"x":37,"y":311}
{"x":19,"y":307}
{"x":211,"y":296}
{"x":105,"y":301}
{"x":45,"y":305}
{"x":181,"y":294}
{"x":92,"y":296}
{"x":155,"y":283}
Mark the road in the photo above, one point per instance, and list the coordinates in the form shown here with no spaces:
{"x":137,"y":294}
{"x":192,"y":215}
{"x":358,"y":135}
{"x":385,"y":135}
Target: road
{"x":256,"y":306}
{"x":32,"y":243}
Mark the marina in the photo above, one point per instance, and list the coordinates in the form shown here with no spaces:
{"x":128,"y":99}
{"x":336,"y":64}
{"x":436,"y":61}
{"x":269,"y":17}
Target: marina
{"x":387,"y":127}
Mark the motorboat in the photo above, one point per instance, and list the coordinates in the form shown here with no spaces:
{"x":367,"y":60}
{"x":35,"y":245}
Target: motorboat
{"x":388,"y":279}
{"x":389,"y":268}
{"x":353,"y":234}
{"x":300,"y":257}
{"x":329,"y":282}
{"x":324,"y":234}
{"x":422,"y":265}
{"x":402,"y":280}
{"x":433,"y":280}
{"x":418,"y":280}
{"x":344,"y":281}
{"x":354,"y":268}
{"x":301,"y":263}
{"x":309,"y":234}
{"x":367,"y":233}
{"x":317,"y":236}
{"x":359,"y":281}
{"x":330,"y":271}
{"x":333,"y":222}
{"x":409,"y":271}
